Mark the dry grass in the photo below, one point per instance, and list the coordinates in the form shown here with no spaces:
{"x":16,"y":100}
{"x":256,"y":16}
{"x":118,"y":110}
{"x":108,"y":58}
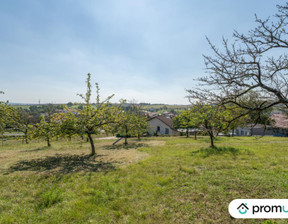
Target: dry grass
{"x":16,"y":154}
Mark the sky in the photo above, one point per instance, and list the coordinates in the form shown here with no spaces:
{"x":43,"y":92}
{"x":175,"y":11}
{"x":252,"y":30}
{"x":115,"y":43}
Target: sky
{"x":142,"y":50}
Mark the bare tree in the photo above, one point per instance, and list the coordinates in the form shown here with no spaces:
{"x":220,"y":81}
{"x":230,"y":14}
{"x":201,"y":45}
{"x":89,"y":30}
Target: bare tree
{"x":255,"y":62}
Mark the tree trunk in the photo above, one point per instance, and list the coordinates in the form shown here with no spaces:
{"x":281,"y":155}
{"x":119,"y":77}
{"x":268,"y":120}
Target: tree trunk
{"x":48,"y":142}
{"x":233,"y":132}
{"x":210,"y":132}
{"x":195,"y":135}
{"x":126,"y":131}
{"x":26,"y":136}
{"x":139,"y":137}
{"x":211,"y":139}
{"x":187,"y":133}
{"x":92,"y":144}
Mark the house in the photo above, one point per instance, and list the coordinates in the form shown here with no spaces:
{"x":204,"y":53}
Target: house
{"x":280,"y":124}
{"x":150,"y":114}
{"x":191,"y":131}
{"x":161,"y":125}
{"x":168,"y":114}
{"x":242,"y":131}
{"x":258,"y":130}
{"x":278,"y":127}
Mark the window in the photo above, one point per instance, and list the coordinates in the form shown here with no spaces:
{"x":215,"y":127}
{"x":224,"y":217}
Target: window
{"x":158,"y":128}
{"x":167,"y":131}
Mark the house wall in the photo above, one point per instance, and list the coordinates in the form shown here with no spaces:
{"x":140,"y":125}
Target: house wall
{"x":154,"y":123}
{"x":242,"y":132}
{"x":280,"y":132}
{"x":261,"y":131}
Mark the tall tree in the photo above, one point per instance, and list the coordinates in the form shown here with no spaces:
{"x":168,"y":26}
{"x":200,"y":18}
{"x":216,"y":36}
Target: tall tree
{"x":253,"y":62}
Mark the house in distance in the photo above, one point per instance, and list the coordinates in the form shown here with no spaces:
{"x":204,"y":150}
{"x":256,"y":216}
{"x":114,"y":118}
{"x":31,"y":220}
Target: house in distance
{"x":161,"y":125}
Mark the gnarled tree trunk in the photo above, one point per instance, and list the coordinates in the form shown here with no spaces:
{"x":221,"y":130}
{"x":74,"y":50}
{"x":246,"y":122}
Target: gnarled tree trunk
{"x":92,"y":144}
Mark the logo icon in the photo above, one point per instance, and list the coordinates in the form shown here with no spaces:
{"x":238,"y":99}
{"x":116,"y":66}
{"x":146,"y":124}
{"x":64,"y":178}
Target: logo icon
{"x":243,"y":208}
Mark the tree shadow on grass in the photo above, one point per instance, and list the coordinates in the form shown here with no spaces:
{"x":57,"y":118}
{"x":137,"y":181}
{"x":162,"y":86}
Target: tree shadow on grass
{"x":63,"y":164}
{"x":128,"y":146}
{"x":206,"y":152}
{"x":37,"y":149}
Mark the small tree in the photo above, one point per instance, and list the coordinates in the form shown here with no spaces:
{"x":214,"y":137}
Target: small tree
{"x":91,"y":119}
{"x":23,"y":121}
{"x":140,"y":120}
{"x":126,"y":124}
{"x":67,"y":124}
{"x":141,"y":125}
{"x":47,"y":128}
{"x":5,"y":112}
{"x":211,"y":118}
{"x":5,"y":116}
{"x":69,"y":104}
{"x":185,"y":120}
{"x":131,"y":122}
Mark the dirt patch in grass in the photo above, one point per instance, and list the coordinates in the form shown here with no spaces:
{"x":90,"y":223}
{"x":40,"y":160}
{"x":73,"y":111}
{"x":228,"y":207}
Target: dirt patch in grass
{"x":66,"y":158}
{"x":123,"y":146}
{"x":122,"y":157}
{"x":156,"y":143}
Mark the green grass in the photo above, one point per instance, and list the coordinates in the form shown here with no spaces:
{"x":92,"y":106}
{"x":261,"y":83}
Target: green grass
{"x":173,"y":180}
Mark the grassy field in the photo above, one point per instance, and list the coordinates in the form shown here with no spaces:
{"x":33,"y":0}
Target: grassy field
{"x":157,"y":180}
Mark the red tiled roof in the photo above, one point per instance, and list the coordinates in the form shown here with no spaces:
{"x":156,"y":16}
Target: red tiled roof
{"x":279,"y":121}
